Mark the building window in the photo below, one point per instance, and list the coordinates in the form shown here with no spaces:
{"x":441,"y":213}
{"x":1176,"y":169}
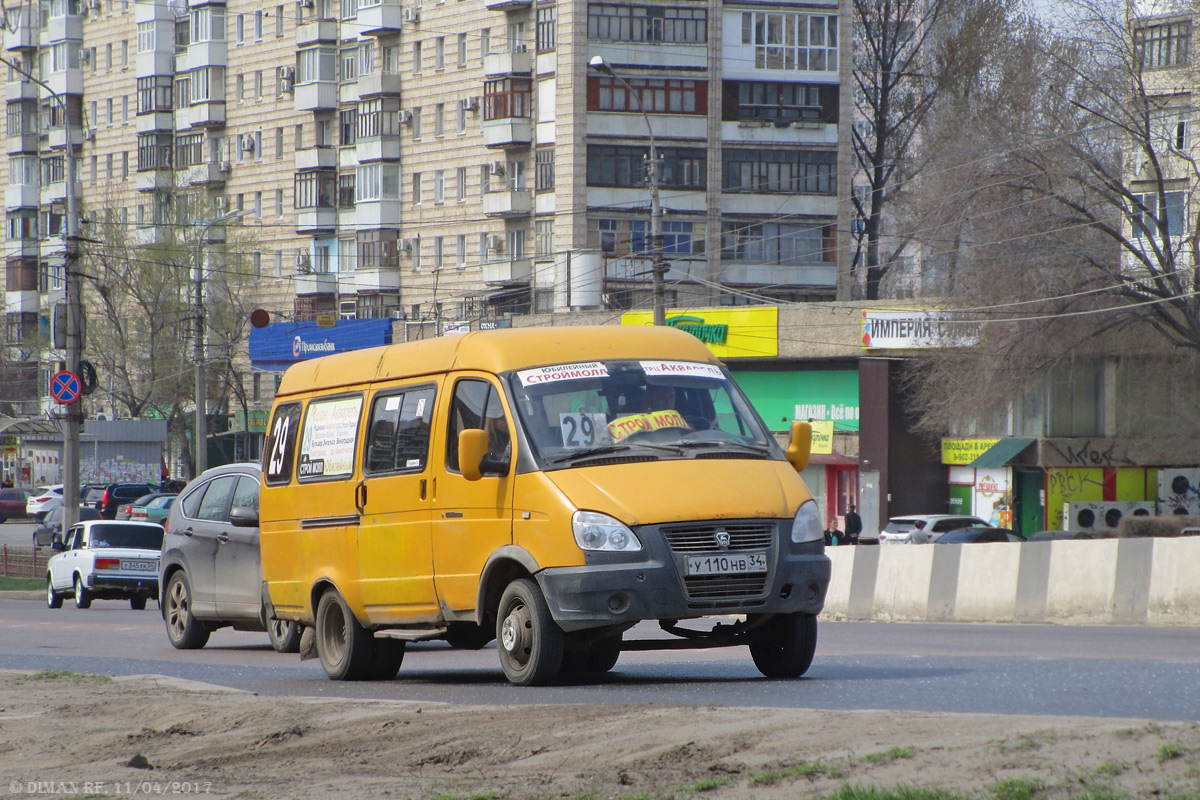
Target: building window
{"x":652,"y":95}
{"x":346,"y":189}
{"x":240,"y":28}
{"x":146,"y":37}
{"x":208,"y":84}
{"x":315,"y":189}
{"x":279,"y":202}
{"x":543,"y":238}
{"x":377,"y":249}
{"x":647,"y":24}
{"x":154,"y":94}
{"x":791,"y":41}
{"x":417,"y":56}
{"x":1164,"y":45}
{"x":547,"y":28}
{"x":416,"y":188}
{"x":377,"y":181}
{"x":279,"y":21}
{"x":348,"y":123}
{"x":439,"y":53}
{"x":258,"y":26}
{"x":788,"y":244}
{"x":208,"y":24}
{"x":1166,"y":208}
{"x":439,"y":251}
{"x":316,"y":64}
{"x":507,"y":98}
{"x":366,"y":58}
{"x":679,"y":167}
{"x":439,"y":186}
{"x":189,"y":150}
{"x":779,"y":171}
{"x":155,"y":151}
{"x":378,"y":117}
{"x":460,"y":251}
{"x":462,"y":50}
{"x":778,"y":101}
{"x":439,"y":119}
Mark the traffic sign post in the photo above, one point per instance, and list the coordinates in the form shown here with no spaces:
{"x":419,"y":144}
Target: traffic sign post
{"x":65,"y":387}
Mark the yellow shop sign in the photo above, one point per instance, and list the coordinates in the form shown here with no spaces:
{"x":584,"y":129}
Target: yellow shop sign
{"x":960,"y":452}
{"x":728,"y":332}
{"x":822,"y":437}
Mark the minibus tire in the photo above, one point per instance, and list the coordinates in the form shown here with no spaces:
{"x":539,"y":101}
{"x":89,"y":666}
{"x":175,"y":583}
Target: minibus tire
{"x":184,"y":631}
{"x":389,"y":655}
{"x":785,"y":645}
{"x":529,"y":641}
{"x":346,"y":648}
{"x":596,"y":655}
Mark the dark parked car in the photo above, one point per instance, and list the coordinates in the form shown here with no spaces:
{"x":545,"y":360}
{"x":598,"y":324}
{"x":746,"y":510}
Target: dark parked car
{"x":12,"y":503}
{"x":125,"y":510}
{"x":969,"y":535}
{"x":117,"y":494}
{"x":52,"y":524}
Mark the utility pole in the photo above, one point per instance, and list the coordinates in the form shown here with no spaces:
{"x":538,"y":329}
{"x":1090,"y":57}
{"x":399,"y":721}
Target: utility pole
{"x":201,"y":335}
{"x":658,"y":267}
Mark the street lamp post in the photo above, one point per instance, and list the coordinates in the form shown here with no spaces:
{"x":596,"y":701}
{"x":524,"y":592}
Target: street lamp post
{"x":201,"y":336}
{"x":657,"y":268}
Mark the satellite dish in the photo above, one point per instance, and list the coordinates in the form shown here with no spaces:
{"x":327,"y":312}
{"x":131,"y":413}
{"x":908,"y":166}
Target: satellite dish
{"x":260,"y":318}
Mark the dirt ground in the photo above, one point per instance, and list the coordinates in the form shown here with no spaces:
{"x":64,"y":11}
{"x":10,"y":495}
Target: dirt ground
{"x":63,"y":734}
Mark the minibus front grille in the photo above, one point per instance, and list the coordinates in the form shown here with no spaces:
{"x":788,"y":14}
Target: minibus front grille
{"x":725,"y":587}
{"x":704,"y":538}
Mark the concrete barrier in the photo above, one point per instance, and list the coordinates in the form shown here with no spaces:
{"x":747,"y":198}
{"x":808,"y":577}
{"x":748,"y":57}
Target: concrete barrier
{"x":1103,"y":581}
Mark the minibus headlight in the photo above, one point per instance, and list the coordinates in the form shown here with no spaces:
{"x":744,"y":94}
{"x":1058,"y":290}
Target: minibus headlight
{"x":806,"y":525}
{"x":596,"y":531}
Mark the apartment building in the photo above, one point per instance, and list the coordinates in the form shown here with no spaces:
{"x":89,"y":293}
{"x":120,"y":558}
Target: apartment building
{"x":440,"y":162}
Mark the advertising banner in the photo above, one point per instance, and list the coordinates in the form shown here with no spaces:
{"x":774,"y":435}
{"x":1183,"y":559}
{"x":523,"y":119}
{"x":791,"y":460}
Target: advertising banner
{"x":907,"y":329}
{"x":728,"y":332}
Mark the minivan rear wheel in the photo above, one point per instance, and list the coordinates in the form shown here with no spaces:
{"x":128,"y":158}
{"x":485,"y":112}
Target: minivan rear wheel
{"x":183,"y":629}
{"x":346,"y":648}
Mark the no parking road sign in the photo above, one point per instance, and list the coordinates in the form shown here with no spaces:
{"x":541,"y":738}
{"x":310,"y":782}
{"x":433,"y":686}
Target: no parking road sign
{"x":65,"y":387}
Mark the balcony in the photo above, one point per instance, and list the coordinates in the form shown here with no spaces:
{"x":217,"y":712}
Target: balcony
{"x":156,"y":62}
{"x":207,"y":54}
{"x":315,"y":283}
{"x":152,"y":180}
{"x":68,"y":27}
{"x":371,"y":214}
{"x":507,"y":204}
{"x":207,"y":115}
{"x":22,"y":143}
{"x":23,"y":37}
{"x":56,"y":137}
{"x":317,"y":32}
{"x":67,"y":81}
{"x":514,"y":62}
{"x":316,"y":96}
{"x":378,"y":148}
{"x":156,"y":121}
{"x":57,"y":192}
{"x":499,"y":272}
{"x":21,"y":90}
{"x":381,"y":18}
{"x":385,"y":279}
{"x":509,"y":132}
{"x":379,"y":84}
{"x":214,"y":172}
{"x":316,"y":220}
{"x":22,"y":195}
{"x":506,"y":5}
{"x":151,"y":234}
{"x":316,"y":158}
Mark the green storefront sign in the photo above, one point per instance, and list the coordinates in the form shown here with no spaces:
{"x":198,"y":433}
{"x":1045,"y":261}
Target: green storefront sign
{"x":781,"y":397}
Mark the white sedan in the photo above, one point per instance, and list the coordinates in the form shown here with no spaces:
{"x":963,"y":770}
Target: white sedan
{"x":45,"y":499}
{"x":105,"y":560}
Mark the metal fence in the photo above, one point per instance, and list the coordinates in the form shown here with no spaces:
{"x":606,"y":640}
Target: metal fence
{"x":22,"y":561}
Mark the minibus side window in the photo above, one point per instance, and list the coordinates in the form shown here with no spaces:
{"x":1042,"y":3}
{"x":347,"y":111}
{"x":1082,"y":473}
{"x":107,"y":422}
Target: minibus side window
{"x":329,"y":440}
{"x":280,"y":450}
{"x":398,"y":439}
{"x":476,"y":405}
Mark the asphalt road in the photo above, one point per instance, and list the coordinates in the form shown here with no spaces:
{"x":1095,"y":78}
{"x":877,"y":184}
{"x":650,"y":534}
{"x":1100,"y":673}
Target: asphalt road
{"x":1135,"y":672}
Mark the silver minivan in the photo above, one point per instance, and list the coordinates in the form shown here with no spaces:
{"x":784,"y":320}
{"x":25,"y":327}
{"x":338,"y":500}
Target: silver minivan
{"x":211,"y":572}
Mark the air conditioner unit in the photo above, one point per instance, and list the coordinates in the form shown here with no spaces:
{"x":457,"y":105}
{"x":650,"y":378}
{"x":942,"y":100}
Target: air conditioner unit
{"x":308,"y":3}
{"x":88,"y":134}
{"x":412,"y":15}
{"x":496,"y":168}
{"x":1102,"y":516}
{"x":248,"y":144}
{"x":398,"y":314}
{"x":406,"y":246}
{"x":85,"y":55}
{"x":94,"y":5}
{"x":495,"y":242}
{"x":225,"y":166}
{"x":220,"y":204}
{"x":1179,"y":491}
{"x":303,"y":264}
{"x":406,"y":117}
{"x":471,"y":103}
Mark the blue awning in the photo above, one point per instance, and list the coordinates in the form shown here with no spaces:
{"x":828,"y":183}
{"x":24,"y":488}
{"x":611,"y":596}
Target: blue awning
{"x":1002,"y":452}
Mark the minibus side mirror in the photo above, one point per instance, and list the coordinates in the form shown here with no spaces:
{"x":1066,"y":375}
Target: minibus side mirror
{"x":472,"y":448}
{"x":800,"y":447}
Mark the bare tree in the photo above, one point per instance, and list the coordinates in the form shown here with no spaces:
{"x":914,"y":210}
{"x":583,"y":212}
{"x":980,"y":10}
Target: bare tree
{"x":906,"y":53}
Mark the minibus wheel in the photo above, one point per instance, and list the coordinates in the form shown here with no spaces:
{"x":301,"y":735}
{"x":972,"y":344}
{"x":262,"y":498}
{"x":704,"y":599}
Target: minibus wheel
{"x":596,"y":655}
{"x":346,"y":648}
{"x":529,"y":641}
{"x":389,"y":655}
{"x":785,"y":645}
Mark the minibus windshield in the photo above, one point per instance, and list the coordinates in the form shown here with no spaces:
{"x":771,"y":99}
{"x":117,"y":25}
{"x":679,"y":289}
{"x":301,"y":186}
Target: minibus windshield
{"x":643,"y":409}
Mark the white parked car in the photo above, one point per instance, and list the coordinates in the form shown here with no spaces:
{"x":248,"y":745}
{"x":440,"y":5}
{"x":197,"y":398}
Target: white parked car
{"x":924,"y":528}
{"x":103,"y":560}
{"x":46,"y":498}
